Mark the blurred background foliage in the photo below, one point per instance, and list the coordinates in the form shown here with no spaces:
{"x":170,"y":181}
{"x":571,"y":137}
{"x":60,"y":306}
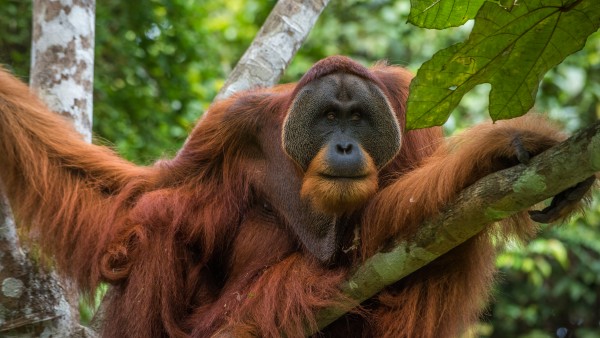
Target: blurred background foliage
{"x":159,"y":63}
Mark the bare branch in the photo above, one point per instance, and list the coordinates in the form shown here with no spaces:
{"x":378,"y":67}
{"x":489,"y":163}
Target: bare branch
{"x":274,"y":46}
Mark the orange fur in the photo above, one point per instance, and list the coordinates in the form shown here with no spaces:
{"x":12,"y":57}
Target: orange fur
{"x":191,"y":248}
{"x":338,"y":196}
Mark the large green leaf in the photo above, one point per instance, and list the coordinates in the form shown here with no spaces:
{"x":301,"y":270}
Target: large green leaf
{"x":440,"y":14}
{"x":511,"y":50}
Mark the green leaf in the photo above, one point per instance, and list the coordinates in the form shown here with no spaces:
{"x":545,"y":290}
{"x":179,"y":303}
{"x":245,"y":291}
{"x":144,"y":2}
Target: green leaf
{"x":440,"y":14}
{"x":508,"y":4}
{"x":511,"y":50}
{"x":559,"y":252}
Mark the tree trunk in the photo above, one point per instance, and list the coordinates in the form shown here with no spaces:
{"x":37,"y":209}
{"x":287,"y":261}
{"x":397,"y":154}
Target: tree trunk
{"x":62,"y":58}
{"x":35,"y":301}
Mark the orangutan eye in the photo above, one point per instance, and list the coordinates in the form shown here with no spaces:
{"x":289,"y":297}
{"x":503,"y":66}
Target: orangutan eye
{"x":355,"y":117}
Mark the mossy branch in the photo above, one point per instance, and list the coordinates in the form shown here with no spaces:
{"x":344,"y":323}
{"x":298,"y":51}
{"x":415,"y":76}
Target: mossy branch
{"x":495,"y":197}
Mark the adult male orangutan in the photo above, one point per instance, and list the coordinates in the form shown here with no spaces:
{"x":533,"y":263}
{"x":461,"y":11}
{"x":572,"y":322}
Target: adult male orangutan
{"x":251,"y":227}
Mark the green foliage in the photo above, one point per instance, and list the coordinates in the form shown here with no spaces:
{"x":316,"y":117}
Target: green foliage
{"x":440,"y":14}
{"x":15,"y":24}
{"x":571,"y":91}
{"x":159,"y":63}
{"x":511,"y":50}
{"x":552,"y":283}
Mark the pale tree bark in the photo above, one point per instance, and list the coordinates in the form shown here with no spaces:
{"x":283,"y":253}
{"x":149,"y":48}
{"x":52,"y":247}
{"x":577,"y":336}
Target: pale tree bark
{"x":62,"y":58}
{"x":34,"y":301}
{"x":273,"y":48}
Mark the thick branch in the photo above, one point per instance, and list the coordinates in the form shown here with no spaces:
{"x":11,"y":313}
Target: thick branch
{"x":274,"y":46}
{"x":493,"y":198}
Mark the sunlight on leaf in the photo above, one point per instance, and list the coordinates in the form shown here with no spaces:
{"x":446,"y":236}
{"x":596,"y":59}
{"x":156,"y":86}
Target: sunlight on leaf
{"x":510,"y":50}
{"x":440,"y":14}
